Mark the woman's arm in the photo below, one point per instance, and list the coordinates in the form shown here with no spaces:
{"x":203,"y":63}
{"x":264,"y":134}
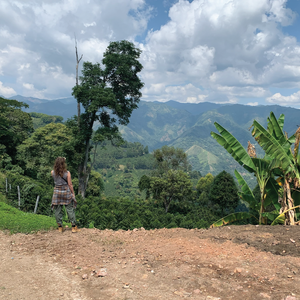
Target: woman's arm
{"x":70,"y":183}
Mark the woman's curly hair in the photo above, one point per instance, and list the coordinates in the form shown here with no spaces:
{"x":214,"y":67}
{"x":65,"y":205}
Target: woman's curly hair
{"x":60,"y":166}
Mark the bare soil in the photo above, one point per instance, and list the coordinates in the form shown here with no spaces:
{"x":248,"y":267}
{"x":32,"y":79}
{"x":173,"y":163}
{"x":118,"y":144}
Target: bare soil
{"x":233,"y":262}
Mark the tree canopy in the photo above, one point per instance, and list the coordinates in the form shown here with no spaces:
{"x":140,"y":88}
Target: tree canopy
{"x":15,"y":126}
{"x":224,"y":193}
{"x":109,"y":93}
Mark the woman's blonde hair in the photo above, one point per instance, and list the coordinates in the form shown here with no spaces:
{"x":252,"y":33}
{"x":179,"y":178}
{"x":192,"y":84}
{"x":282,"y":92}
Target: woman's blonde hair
{"x":60,"y":166}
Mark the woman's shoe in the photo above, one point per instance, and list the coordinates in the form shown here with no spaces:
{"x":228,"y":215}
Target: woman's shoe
{"x":75,"y":229}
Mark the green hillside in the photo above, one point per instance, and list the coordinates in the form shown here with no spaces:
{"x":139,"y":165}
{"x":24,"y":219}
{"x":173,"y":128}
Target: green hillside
{"x":185,"y":125}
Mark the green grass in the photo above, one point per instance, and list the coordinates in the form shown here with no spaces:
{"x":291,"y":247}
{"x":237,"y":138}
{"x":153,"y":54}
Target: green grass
{"x":15,"y":221}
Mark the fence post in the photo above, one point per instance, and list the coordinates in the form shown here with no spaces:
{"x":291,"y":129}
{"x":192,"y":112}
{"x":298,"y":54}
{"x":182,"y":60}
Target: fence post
{"x":36,"y":204}
{"x":19,"y":197}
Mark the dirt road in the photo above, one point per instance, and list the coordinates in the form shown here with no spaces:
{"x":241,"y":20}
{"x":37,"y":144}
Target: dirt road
{"x":235,"y":262}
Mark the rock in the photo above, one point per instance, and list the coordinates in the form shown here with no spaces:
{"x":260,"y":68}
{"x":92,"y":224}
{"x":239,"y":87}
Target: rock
{"x":264,"y":296}
{"x":212,"y":298}
{"x":197,"y":291}
{"x":85,"y":276}
{"x":126,"y":286}
{"x":238,"y":270}
{"x":102,"y":273}
{"x":291,"y":298}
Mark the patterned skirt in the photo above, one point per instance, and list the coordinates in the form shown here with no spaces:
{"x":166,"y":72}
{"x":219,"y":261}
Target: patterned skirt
{"x":61,"y":195}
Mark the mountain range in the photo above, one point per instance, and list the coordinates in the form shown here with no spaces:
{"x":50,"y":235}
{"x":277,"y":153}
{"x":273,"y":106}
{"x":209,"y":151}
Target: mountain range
{"x":185,"y":125}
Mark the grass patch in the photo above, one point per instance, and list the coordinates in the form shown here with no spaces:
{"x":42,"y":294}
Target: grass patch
{"x":15,"y":221}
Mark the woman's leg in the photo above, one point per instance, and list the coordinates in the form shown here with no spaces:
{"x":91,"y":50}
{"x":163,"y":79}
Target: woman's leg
{"x":58,"y":214}
{"x":71,"y":213}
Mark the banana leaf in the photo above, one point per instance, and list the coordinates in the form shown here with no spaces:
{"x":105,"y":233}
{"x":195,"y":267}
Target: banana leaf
{"x":271,"y":191}
{"x":233,"y":147}
{"x":271,"y":215}
{"x":279,"y":135}
{"x":280,"y":219}
{"x":232,"y":218}
{"x":281,"y":121}
{"x":273,"y":148}
{"x":246,"y":193}
{"x":296,"y":197}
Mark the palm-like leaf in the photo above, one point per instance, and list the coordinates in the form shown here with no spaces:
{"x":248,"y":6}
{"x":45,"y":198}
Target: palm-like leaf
{"x":232,"y":218}
{"x":280,"y":219}
{"x":246,"y":193}
{"x":233,"y":147}
{"x":273,"y":148}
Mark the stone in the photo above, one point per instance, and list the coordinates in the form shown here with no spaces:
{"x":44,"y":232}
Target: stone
{"x":238,"y":270}
{"x":264,"y":296}
{"x":197,"y":291}
{"x":101,"y":274}
{"x":85,"y":276}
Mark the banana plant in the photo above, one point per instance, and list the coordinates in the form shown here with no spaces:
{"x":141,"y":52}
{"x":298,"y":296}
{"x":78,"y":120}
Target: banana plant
{"x":278,"y":147}
{"x":261,"y":168}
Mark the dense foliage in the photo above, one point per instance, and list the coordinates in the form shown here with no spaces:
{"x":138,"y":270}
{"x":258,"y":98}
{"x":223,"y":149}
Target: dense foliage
{"x":150,"y":190}
{"x":15,"y":127}
{"x":108,"y":93}
{"x":126,"y":213}
{"x":223,"y":193}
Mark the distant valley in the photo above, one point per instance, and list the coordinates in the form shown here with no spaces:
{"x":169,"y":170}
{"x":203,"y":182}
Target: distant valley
{"x":184,"y":125}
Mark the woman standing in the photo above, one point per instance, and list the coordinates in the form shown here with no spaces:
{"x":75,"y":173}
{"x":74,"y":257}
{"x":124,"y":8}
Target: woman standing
{"x":63,"y":194}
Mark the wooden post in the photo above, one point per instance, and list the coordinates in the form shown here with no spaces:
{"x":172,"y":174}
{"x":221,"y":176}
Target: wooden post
{"x":36,"y":204}
{"x":10,"y":187}
{"x":19,"y":197}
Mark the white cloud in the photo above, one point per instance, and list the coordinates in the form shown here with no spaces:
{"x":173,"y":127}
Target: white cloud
{"x":218,"y":50}
{"x":252,"y":103}
{"x":232,"y":48}
{"x":277,"y":98}
{"x":35,"y":33}
{"x":6,"y":91}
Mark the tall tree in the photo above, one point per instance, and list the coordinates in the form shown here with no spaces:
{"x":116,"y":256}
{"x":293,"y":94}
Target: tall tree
{"x":108,"y":94}
{"x":15,"y":126}
{"x":224,"y":192}
{"x":38,"y":152}
{"x":175,"y":185}
{"x":170,"y":158}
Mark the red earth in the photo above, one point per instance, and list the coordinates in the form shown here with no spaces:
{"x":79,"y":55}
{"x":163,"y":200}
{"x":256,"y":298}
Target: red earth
{"x":232,"y":262}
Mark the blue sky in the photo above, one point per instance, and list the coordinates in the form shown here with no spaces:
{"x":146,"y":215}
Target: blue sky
{"x":222,"y":51}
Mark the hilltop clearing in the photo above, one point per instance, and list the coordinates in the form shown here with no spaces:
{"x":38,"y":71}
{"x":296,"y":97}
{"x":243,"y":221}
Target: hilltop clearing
{"x":234,"y":262}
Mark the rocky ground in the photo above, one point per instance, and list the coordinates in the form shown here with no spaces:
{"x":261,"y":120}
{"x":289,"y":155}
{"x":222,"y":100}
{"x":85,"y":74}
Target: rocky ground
{"x":233,"y":262}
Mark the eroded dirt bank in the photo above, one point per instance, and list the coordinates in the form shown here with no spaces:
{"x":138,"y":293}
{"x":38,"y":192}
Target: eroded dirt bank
{"x":235,"y":262}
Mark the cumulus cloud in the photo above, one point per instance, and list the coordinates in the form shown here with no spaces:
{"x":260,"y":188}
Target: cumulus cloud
{"x":219,"y":51}
{"x":233,"y":48}
{"x":6,"y":91}
{"x":279,"y":99}
{"x":38,"y":37}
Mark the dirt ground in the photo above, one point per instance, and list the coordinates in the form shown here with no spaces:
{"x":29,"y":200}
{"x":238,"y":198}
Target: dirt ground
{"x":233,"y":262}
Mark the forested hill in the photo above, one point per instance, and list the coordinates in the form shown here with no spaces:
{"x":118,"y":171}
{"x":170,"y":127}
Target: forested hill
{"x":184,"y":125}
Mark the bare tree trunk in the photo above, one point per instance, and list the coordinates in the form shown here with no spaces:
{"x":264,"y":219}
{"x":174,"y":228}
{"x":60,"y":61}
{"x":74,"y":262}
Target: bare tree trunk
{"x":77,"y":63}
